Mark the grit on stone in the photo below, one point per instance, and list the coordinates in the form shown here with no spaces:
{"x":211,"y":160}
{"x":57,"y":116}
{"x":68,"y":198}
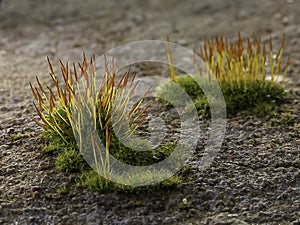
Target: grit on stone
{"x":255,"y":177}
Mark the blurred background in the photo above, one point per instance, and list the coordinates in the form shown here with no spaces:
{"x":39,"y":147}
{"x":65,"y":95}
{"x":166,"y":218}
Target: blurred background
{"x":30,"y":30}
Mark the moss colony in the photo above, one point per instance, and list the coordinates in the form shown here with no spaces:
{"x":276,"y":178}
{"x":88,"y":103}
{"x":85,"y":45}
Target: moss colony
{"x":241,"y":69}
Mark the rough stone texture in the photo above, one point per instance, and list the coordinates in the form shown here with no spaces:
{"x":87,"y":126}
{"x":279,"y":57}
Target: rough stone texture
{"x":255,"y":178}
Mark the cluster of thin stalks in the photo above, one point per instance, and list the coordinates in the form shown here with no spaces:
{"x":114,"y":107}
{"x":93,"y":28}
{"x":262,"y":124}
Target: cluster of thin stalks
{"x":240,"y":61}
{"x":249,"y":72}
{"x":62,"y":106}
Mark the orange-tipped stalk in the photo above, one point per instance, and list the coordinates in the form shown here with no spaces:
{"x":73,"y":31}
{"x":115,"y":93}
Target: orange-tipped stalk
{"x":77,"y":92}
{"x":238,"y":62}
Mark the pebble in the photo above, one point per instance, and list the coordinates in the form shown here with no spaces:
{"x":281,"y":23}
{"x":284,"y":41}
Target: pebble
{"x":169,"y":220}
{"x":5,"y":146}
{"x":10,"y":130}
{"x":285,"y":20}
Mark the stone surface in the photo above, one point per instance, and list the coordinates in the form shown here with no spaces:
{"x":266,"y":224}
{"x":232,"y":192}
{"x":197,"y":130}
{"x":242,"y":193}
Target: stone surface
{"x":254,"y":179}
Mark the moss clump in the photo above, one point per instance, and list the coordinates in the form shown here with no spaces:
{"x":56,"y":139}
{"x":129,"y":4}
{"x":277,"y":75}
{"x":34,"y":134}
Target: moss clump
{"x":67,"y":109}
{"x":92,"y":181}
{"x":240,"y":71}
{"x":260,"y":97}
{"x":70,"y":161}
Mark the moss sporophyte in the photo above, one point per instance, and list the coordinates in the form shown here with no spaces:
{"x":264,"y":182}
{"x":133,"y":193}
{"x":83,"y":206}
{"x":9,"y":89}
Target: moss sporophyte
{"x":73,"y":96}
{"x":248,"y":72}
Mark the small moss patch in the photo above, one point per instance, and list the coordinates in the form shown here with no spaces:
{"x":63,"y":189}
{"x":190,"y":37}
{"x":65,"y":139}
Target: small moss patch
{"x":75,"y":104}
{"x":248,"y":74}
{"x":20,"y":136}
